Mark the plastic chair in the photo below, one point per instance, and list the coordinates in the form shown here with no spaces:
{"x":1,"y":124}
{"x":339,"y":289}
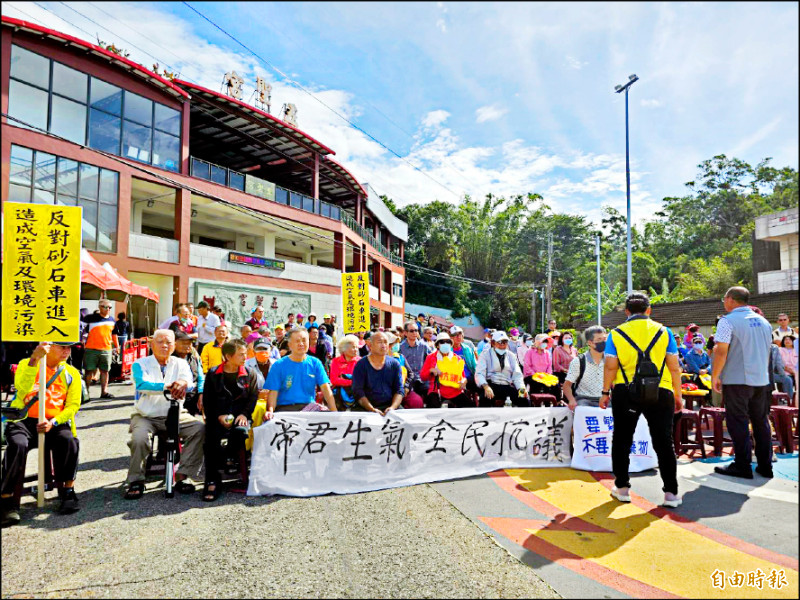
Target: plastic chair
{"x":538,"y":400}
{"x":717,"y":415}
{"x":681,"y":434}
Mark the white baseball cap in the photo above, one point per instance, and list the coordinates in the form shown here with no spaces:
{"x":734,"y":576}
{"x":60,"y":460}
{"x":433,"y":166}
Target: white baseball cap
{"x":456,"y":329}
{"x":499,"y":336}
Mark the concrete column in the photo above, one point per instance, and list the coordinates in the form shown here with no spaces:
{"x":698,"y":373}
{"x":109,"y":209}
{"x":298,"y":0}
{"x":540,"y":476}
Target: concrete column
{"x":265,"y":245}
{"x":338,"y":251}
{"x":241,"y":242}
{"x":185,"y":138}
{"x":315,"y":178}
{"x":124,"y":215}
{"x":183,"y":223}
{"x":136,"y":217}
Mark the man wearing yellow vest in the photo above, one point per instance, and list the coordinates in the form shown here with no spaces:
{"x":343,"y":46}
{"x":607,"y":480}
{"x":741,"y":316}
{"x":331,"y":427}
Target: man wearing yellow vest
{"x":641,"y":360}
{"x":62,"y":400}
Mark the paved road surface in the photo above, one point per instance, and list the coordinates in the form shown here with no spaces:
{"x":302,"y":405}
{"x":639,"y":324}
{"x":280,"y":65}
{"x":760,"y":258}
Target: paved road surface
{"x":451,"y":539}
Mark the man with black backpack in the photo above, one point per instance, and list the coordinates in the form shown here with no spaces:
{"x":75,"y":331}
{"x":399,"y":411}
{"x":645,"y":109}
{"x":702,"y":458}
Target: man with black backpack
{"x":584,"y":382}
{"x":641,"y":360}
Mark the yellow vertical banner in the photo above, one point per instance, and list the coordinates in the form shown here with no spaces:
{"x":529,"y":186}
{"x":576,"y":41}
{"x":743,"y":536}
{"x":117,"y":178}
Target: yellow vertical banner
{"x":41,"y":272}
{"x":355,"y":302}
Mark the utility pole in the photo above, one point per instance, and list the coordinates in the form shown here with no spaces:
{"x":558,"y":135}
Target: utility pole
{"x":541,"y":297}
{"x":599,"y":300}
{"x":549,"y":275}
{"x":533,"y":311}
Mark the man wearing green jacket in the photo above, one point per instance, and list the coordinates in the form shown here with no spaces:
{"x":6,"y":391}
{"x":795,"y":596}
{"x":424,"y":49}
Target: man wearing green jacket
{"x":62,"y":401}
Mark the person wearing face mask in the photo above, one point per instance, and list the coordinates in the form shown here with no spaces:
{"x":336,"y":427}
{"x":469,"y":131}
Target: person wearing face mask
{"x":499,"y":375}
{"x":486,"y":342}
{"x":342,"y":371}
{"x":697,"y":362}
{"x":583,"y":385}
{"x":444,"y":370}
{"x":261,"y":361}
{"x":563,"y":354}
{"x":538,"y":360}
{"x":523,"y":347}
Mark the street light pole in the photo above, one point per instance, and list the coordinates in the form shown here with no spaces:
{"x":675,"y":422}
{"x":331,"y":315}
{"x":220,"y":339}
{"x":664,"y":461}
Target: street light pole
{"x":599,"y":300}
{"x":619,"y":89}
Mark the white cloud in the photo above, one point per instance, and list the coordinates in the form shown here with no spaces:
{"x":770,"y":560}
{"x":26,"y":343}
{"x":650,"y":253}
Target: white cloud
{"x":651,"y":103}
{"x":574,"y":63}
{"x":489,"y":113}
{"x":441,"y":25}
{"x":435,"y":118}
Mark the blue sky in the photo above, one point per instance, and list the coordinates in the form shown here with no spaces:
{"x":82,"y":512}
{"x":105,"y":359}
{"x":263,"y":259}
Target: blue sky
{"x":500,"y":98}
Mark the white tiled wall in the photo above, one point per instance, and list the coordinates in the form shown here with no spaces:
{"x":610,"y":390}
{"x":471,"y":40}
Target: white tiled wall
{"x":153,"y":248}
{"x":217,"y":258}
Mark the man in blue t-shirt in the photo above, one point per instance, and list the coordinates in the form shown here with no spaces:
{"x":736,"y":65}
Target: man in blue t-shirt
{"x":292,"y":380}
{"x":378,"y":379}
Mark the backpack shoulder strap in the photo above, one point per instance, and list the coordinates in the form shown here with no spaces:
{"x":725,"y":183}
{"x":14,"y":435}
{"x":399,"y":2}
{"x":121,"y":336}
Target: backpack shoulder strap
{"x":653,"y":342}
{"x":582,"y":367}
{"x":628,"y":339}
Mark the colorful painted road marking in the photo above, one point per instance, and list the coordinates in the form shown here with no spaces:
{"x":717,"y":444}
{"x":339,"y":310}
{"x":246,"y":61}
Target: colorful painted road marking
{"x":639,"y":548}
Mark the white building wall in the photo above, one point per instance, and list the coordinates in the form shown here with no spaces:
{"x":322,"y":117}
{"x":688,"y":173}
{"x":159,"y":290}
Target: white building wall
{"x":151,"y":247}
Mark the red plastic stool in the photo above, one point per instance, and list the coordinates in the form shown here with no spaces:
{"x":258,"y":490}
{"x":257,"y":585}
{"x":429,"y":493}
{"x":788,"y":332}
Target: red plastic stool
{"x":716,"y":414}
{"x":783,"y":418}
{"x":681,"y":434}
{"x":538,"y":400}
{"x":779,"y":398}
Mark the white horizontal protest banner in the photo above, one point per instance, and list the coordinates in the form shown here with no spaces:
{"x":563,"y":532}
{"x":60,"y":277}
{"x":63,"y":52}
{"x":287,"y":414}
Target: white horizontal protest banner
{"x":594,"y":428}
{"x":314,"y":453}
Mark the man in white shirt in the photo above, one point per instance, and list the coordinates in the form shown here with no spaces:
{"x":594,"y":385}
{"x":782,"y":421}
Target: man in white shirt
{"x":151,"y":376}
{"x":584,"y":386}
{"x":782,"y":329}
{"x":173,"y":318}
{"x":207,"y":322}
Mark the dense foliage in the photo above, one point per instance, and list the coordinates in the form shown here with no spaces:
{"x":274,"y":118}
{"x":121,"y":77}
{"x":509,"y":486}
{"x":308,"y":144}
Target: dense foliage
{"x":695,"y":247}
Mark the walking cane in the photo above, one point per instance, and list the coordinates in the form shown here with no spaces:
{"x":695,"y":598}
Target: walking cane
{"x":172,"y":445}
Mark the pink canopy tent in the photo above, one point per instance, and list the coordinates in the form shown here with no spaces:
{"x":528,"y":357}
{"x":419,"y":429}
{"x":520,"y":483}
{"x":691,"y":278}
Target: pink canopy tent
{"x":105,"y":281}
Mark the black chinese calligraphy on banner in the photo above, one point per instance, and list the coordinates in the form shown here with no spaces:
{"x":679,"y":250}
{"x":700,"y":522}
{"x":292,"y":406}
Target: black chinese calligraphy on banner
{"x":314,"y":453}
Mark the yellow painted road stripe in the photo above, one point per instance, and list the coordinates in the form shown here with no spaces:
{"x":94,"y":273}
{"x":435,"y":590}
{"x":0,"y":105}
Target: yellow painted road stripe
{"x":642,"y":546}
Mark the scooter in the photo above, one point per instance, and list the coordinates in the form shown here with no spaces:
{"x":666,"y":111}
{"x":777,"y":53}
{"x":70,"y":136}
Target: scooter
{"x":172,"y":444}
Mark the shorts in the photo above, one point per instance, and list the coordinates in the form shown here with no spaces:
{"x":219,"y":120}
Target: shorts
{"x":97,"y":359}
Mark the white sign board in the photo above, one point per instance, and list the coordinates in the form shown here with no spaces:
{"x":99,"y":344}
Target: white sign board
{"x":314,"y":453}
{"x":594,"y":428}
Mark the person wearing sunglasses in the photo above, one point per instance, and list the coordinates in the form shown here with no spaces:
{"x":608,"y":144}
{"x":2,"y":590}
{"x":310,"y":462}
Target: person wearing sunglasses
{"x":99,"y":345}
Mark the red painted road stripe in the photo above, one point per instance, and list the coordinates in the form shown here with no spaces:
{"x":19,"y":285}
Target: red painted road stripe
{"x":514,"y":530}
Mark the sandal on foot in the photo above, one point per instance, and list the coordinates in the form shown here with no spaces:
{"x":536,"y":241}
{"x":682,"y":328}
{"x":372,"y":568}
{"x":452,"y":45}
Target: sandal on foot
{"x":210,"y":495}
{"x":184,"y":487}
{"x":135,"y":490}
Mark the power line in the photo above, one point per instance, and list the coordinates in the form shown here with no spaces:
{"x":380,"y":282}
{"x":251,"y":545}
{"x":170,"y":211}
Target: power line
{"x":333,"y":110}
